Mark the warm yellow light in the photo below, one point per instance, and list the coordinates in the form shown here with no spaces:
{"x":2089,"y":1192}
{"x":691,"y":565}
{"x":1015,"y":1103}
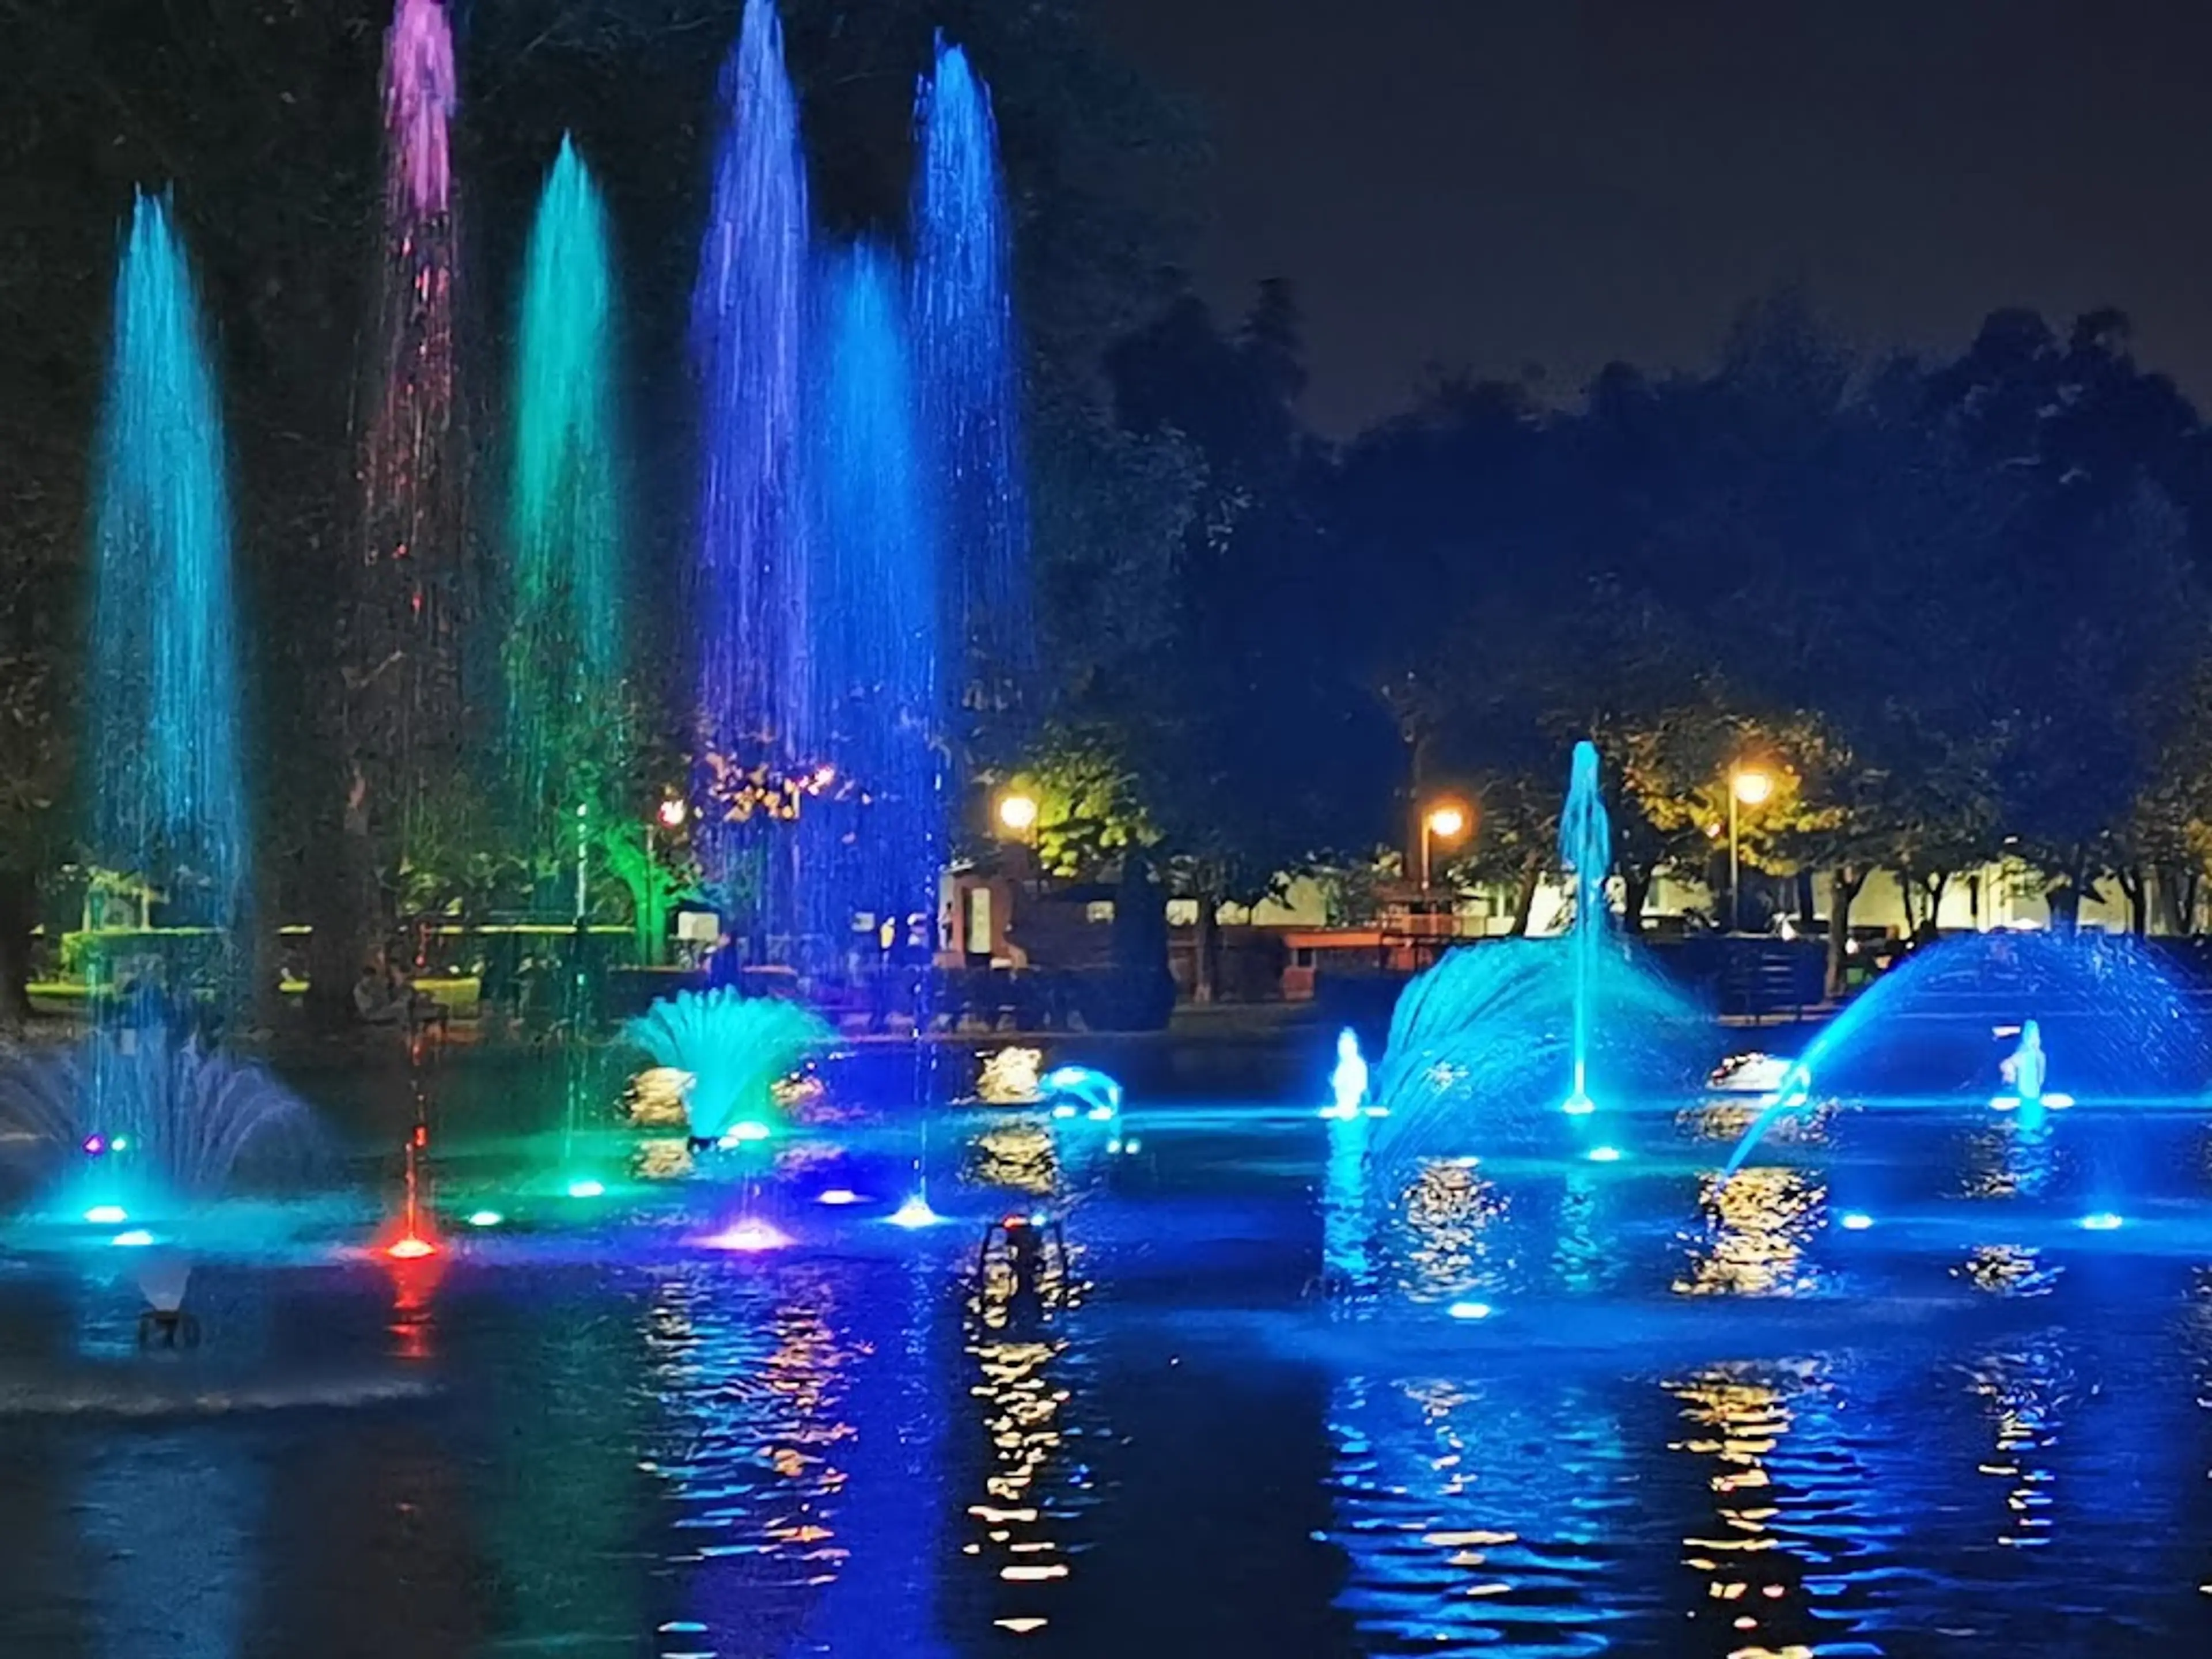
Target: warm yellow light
{"x":1017,"y":812}
{"x":1446,"y":821}
{"x":1752,"y":787}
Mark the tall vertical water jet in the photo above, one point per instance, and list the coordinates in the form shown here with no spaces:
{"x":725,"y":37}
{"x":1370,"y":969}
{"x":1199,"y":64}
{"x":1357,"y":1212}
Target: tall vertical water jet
{"x":565,"y":624}
{"x":407,"y":612}
{"x":164,"y":748}
{"x":1586,"y":855}
{"x":969,"y":351}
{"x":876,"y":849}
{"x":747,"y":314}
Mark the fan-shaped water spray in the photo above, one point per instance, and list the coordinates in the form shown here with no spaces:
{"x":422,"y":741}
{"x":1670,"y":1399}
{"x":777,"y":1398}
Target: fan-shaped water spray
{"x":141,"y":1125}
{"x":2112,"y":1023}
{"x":1499,"y":1040}
{"x":733,"y":1048}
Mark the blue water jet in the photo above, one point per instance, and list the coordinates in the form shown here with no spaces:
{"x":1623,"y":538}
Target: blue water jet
{"x":971,"y":382}
{"x":163,"y":748}
{"x":874,"y":846}
{"x":1586,"y":855}
{"x":749,"y":350}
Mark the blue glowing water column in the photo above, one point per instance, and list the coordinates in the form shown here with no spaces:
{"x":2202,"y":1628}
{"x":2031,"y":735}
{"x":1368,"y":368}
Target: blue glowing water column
{"x":749,"y":351}
{"x":876,"y":850}
{"x":1586,"y":849}
{"x":168,"y":802}
{"x":968,"y":350}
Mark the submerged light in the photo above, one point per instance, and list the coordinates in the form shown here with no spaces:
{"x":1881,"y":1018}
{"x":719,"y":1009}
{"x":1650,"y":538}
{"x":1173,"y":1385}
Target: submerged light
{"x":914,"y":1212}
{"x":2102,"y":1221}
{"x":485,"y":1219}
{"x":1854,"y":1221}
{"x":838,"y":1196}
{"x":106,"y":1215}
{"x":747,"y":1236}
{"x":136,"y":1238}
{"x":1578,"y":1105}
{"x":1605,"y":1154}
{"x":409,"y":1248}
{"x":587,"y":1189}
{"x":747,"y":1130}
{"x":1470,"y":1310}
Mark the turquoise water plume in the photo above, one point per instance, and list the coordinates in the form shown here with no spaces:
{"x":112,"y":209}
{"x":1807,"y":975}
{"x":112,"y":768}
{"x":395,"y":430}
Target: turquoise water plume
{"x":748,"y":348}
{"x":163,"y":748}
{"x":969,"y":350}
{"x":735,"y":1049}
{"x":1488,"y":1046}
{"x":875,"y":848}
{"x":565,"y":624}
{"x":2115,"y":1026}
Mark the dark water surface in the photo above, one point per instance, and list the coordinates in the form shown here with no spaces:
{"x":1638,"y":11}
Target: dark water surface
{"x":1689,"y":1421}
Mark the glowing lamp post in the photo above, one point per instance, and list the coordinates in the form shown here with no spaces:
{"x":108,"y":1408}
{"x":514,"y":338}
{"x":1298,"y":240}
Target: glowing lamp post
{"x":1444,"y":823}
{"x":1750,"y":787}
{"x":1018,"y":814}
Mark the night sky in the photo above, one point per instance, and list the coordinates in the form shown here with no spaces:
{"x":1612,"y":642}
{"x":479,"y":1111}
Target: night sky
{"x":1487,"y":184}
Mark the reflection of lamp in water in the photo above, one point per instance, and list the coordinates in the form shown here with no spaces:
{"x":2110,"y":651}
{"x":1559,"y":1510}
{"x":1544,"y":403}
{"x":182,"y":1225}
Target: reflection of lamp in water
{"x":1750,"y":787}
{"x":1009,"y":1077}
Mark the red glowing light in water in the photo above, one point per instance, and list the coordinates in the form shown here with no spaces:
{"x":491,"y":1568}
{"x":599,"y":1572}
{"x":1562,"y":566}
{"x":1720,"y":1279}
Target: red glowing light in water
{"x":410,"y":1248}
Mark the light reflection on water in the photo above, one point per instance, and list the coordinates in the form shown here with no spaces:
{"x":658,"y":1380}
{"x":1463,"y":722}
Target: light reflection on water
{"x":1759,"y":1224}
{"x":850,"y":1450}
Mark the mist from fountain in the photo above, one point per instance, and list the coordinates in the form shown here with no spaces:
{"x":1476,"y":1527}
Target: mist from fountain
{"x":749,"y":348}
{"x":131,"y":1140}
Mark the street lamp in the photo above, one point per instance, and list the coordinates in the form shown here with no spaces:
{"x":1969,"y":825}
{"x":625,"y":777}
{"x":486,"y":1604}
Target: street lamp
{"x":1018,"y":814}
{"x":1750,"y":787}
{"x":1445,"y":822}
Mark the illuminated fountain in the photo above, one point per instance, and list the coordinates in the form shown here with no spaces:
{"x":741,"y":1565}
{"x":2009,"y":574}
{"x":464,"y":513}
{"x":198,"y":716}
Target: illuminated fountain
{"x":967,"y":351}
{"x":565,"y":605}
{"x":1499,"y":1039}
{"x":132,"y":1138}
{"x":749,"y":351}
{"x":163,"y":745}
{"x":723,"y":1054}
{"x":1920,"y":1037}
